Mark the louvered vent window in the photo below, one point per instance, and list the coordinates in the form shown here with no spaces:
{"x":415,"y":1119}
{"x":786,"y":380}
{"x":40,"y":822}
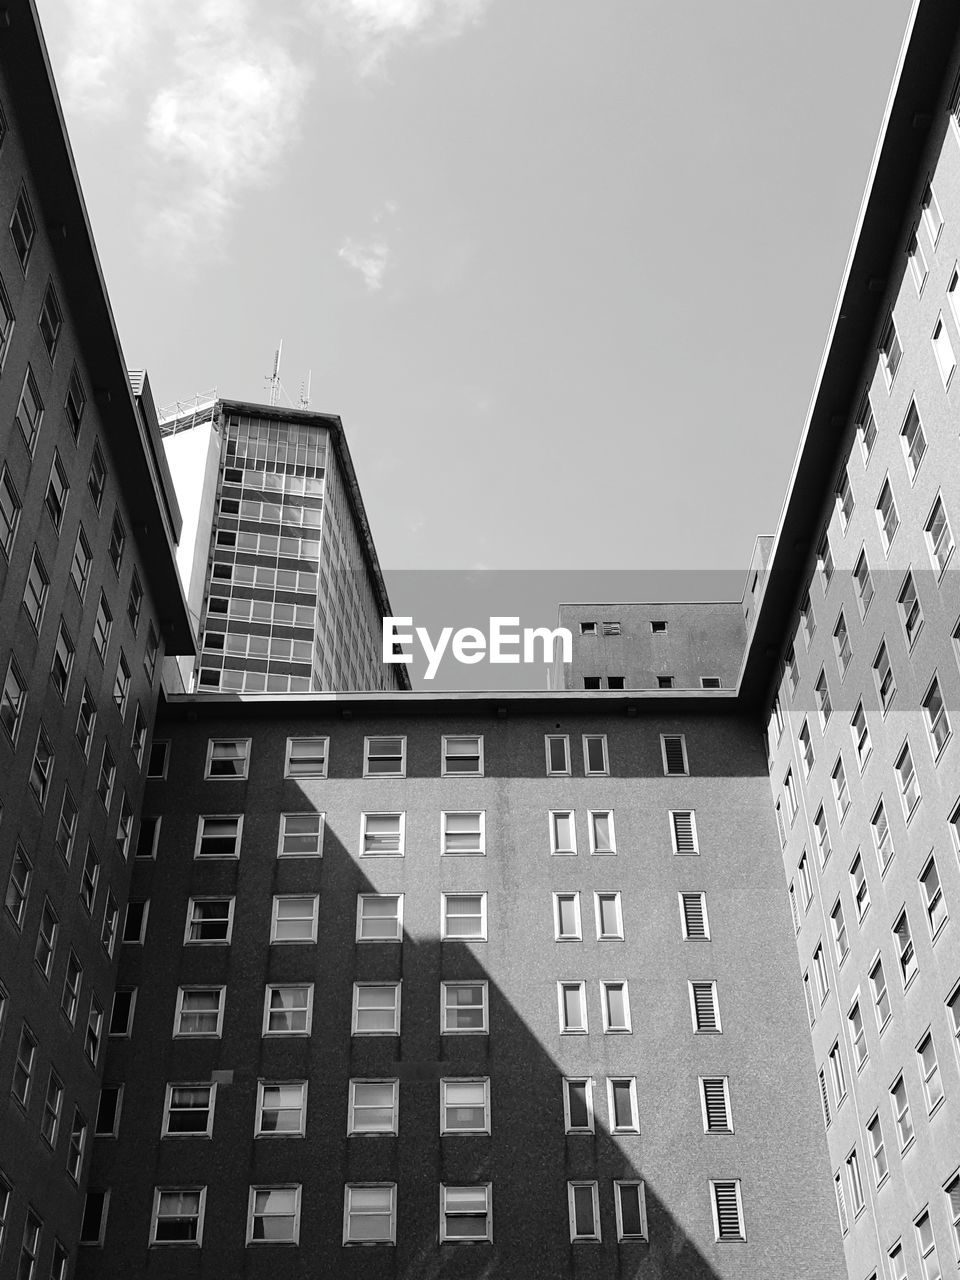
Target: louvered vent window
{"x":684,"y":825}
{"x":706,"y":1015}
{"x":824,"y":1099}
{"x":674,"y":753}
{"x":694,"y":915}
{"x":728,"y":1211}
{"x":841,"y":1203}
{"x":716,"y":1105}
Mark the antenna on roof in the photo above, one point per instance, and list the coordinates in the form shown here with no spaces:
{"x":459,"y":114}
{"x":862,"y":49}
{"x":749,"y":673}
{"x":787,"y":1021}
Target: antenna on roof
{"x":305,"y":391}
{"x":273,"y":381}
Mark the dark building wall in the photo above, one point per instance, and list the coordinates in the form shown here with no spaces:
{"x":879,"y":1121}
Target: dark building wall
{"x":776,"y":1149}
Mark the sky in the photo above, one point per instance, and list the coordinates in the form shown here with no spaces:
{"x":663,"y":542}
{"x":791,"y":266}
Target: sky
{"x":564,"y":270}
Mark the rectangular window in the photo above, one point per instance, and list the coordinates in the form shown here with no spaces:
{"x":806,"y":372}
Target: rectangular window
{"x":820,"y":972}
{"x":808,"y":621}
{"x":29,"y":410}
{"x":273,"y":1215}
{"x":927,"y":1248}
{"x":58,"y":487}
{"x":135,"y":921}
{"x":861,"y":890}
{"x":858,"y":1039}
{"x":178,"y":1215}
{"x":18,"y":886}
{"x":13,"y":700}
{"x":861,"y":736}
{"x":376,"y":1008}
{"x":855,"y":1183}
{"x":370,"y":1213}
{"x":70,"y":997}
{"x":572,"y":998}
{"x":890,"y":351}
{"x":939,"y":536}
{"x":883,"y":841}
{"x":609,"y":916}
{"x":29,"y":1247}
{"x":46,"y":944}
{"x":91,"y":1042}
{"x":7,"y":321}
{"x":288,"y":1010}
{"x":281,"y":1109}
{"x":379,"y":917}
{"x":121,"y":685}
{"x":563,"y":831}
{"x":463,"y":916}
{"x":52,"y":1106}
{"x":693,"y":916}
{"x":615,"y":1005}
{"x":461,"y":756}
{"x":823,"y":836}
{"x":631,"y":1210}
{"x":199,"y":1011}
{"x":863,"y":583}
{"x":10,"y":508}
{"x":218,"y":836}
{"x":306,"y":757}
{"x":94,"y":1223}
{"x":790,"y":795}
{"x":294,"y":918}
{"x":381,"y":835}
{"x":918,"y":263}
{"x":907,"y":781}
{"x":36,"y":590}
{"x":578,"y":1104}
{"x":106,"y":776}
{"x":808,"y":996}
{"x":601,"y":831}
{"x":41,"y":770}
{"x":148,"y":837}
{"x":209,"y":920}
{"x":75,"y":402}
{"x":595,"y":761}
{"x":888,"y":518}
{"x":791,"y":670}
{"x":463,"y":1008}
{"x":844,"y":497}
{"x":841,"y":644}
{"x":373,"y":1106}
{"x":301,"y":835}
{"x":683,"y":831}
{"x":462,"y":833}
{"x":837,"y":1075}
{"x":704,"y":1008}
{"x":227,"y":758}
{"x":23,"y":1066}
{"x":911,"y":614}
{"x":566,"y":917}
{"x":929,"y":1072}
{"x":121,"y":1012}
{"x":465,"y":1106}
{"x":727,"y":1210}
{"x":583,"y":1203}
{"x":558,"y":754}
{"x":118,"y":538}
{"x":883,"y":675}
{"x":913,"y":441}
{"x":906,"y":955}
{"x":936,"y":719}
{"x":841,"y":793}
{"x":385,"y":757}
{"x":135,"y":601}
{"x":952,"y":1192}
{"x":901,"y":1113}
{"x":933,"y":903}
{"x":878,"y":1154}
{"x":715,"y":1104}
{"x":673,"y":747}
{"x":943,"y":350}
{"x":23,"y":230}
{"x":881,"y":998}
{"x":825,"y":564}
{"x":622,"y":1109}
{"x":150,"y":655}
{"x":86,"y":720}
{"x":931,"y":215}
{"x":125,"y":826}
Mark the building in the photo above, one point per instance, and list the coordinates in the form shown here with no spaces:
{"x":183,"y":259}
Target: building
{"x":91,"y":603}
{"x":279,"y":564}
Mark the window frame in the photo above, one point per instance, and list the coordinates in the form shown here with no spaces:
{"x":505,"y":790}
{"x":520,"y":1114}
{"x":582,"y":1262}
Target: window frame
{"x":192,"y":902}
{"x":318,"y":770}
{"x":565,"y":739}
{"x":390,"y":1212}
{"x":196,"y":988}
{"x":445,"y":898}
{"x":401,"y":833}
{"x":446,"y":1130}
{"x":396,"y":985}
{"x":362,"y":899}
{"x":604,"y":770}
{"x":158,"y":1193}
{"x":255,"y":1188}
{"x":275,"y":920}
{"x":445,"y":835}
{"x":265,"y":1028}
{"x":283,"y":834}
{"x":445,"y":770}
{"x":400,"y":771}
{"x":244,"y":760}
{"x":484,"y":1006}
{"x":595,"y":1235}
{"x":587,"y":1083}
{"x":353,"y":1129}
{"x":633,"y":1124}
{"x":559,"y":935}
{"x":207,"y":1131}
{"x":263,"y":1084}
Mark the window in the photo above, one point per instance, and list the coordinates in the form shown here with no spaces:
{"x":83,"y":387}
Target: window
{"x":588,"y":628}
{"x":294,"y":918}
{"x":808,"y":621}
{"x":94,"y":1223}
{"x":10,"y":508}
{"x":704,"y":1007}
{"x":52,"y":1106}
{"x":841,"y":793}
{"x":878,"y":1153}
{"x":840,"y":943}
{"x":465,"y":1106}
{"x":42,"y":768}
{"x":883,"y":675}
{"x":373,"y":1106}
{"x":376,"y":1008}
{"x":46,"y":944}
{"x":881,"y":1000}
{"x":890,"y":351}
{"x":918,"y":263}
{"x":901,"y":1113}
{"x":50,"y":321}
{"x":105,"y":779}
{"x":715,"y":1105}
{"x":943,"y":350}
{"x":806,"y":750}
{"x":600,"y":830}
{"x":794,"y":912}
{"x":820,"y":972}
{"x":379,"y":917}
{"x":370,"y":1213}
{"x":118,"y":538}
{"x":861,"y":890}
{"x":288,"y":1010}
{"x":158,"y":759}
{"x":595,"y":760}
{"x":631,"y":1210}
{"x":227,"y":758}
{"x":461,"y":756}
{"x":218,"y":837}
{"x":463,"y":1008}
{"x":75,"y":403}
{"x":62,"y":661}
{"x":23,"y":1066}
{"x":273,"y":1215}
{"x":150,"y":655}
{"x":13,"y":700}
{"x":91,"y":1042}
{"x":35,"y":592}
{"x":622,"y":1104}
{"x":178,"y":1215}
{"x":29,"y":1247}
{"x":791,"y":670}
{"x":911,"y":614}
{"x":952,"y":1192}
{"x":888,"y":517}
{"x":844,"y":496}
{"x":931,"y":215}
{"x":838,"y":1079}
{"x":841,"y":644}
{"x":929,"y":1072}
{"x":727,"y":1208}
{"x":824,"y":1098}
{"x":384,"y":757}
{"x":615,"y":1006}
{"x":78,"y":1139}
{"x":706,"y":682}
{"x":306,"y":758}
{"x":907,"y":781}
{"x":281,"y":1109}
{"x":933,"y":902}
{"x":906,"y":955}
{"x":566,"y":917}
{"x":121,"y":685}
{"x":18,"y":886}
{"x":609,"y":916}
{"x":572,"y":999}
{"x":199,"y":1011}
{"x":462,"y":833}
{"x":775,"y":727}
{"x":822,"y":695}
{"x":781,"y":831}
{"x":939,"y":538}
{"x":138,"y":739}
{"x":135,"y":920}
{"x":464,"y":916}
{"x":861,"y":736}
{"x":558,"y":754}
{"x":7,"y":321}
{"x":583,"y":1203}
{"x":855,"y":1183}
{"x":803,"y":876}
{"x":86,"y":720}
{"x":863,"y":583}
{"x":301,"y":835}
{"x":858,"y":1039}
{"x":58,"y":487}
{"x":683,"y":831}
{"x":29,"y":410}
{"x":135,"y":601}
{"x":882,"y":839}
{"x":693,"y":916}
{"x":935,"y":716}
{"x":209,"y":920}
{"x":578,"y":1104}
{"x":913,"y":441}
{"x":23,"y":228}
{"x":70,"y":998}
{"x":102,"y":626}
{"x":381,"y":835}
{"x":674,"y":749}
{"x":148,"y":837}
{"x":563,"y":831}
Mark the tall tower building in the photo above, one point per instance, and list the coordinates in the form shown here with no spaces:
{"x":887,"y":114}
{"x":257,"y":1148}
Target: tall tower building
{"x":278,"y":560}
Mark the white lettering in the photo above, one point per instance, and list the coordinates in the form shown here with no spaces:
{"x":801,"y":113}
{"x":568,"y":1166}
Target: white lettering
{"x":499,"y":637}
{"x":549,"y":639}
{"x":391,"y":635}
{"x":469,"y":646}
{"x":434,"y":655}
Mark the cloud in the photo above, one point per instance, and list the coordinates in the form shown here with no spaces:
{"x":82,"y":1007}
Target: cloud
{"x":370,"y":29}
{"x":368,"y":257}
{"x":107,"y":44}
